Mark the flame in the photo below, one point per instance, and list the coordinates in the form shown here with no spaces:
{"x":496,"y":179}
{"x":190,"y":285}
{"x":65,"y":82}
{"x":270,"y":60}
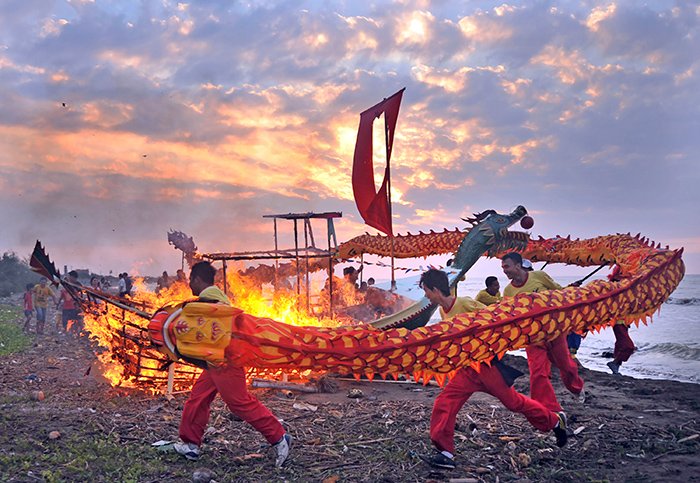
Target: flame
{"x":130,"y":361}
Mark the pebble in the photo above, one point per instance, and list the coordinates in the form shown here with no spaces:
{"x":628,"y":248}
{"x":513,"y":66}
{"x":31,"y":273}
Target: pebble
{"x":202,"y":475}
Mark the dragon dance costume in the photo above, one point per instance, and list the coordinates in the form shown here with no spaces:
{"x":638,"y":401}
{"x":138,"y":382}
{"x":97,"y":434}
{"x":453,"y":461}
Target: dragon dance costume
{"x":207,"y":335}
{"x":488,"y":379}
{"x":541,"y":356}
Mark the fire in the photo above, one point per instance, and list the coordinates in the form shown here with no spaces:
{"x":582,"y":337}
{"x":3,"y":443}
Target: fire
{"x":131,"y":361}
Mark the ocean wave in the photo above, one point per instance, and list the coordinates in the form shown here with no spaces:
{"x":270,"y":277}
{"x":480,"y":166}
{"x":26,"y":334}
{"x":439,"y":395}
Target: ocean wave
{"x":680,"y":351}
{"x":683,"y":301}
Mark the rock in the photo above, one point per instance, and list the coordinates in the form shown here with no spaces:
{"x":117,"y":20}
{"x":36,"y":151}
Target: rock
{"x":202,"y":475}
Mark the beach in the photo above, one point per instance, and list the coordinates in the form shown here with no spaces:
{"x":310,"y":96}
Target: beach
{"x":629,"y":429}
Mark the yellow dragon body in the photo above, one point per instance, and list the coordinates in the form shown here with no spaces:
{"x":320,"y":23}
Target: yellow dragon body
{"x":649,"y":275}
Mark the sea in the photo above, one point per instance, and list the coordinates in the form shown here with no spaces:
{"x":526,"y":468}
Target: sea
{"x":668,"y":347}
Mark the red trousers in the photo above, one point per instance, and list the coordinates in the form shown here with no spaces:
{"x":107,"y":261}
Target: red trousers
{"x":465,"y":383}
{"x":624,"y":347}
{"x":229,"y":381}
{"x":539,"y":358}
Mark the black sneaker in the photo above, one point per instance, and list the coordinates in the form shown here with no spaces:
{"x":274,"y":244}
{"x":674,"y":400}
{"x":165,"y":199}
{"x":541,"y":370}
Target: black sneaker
{"x":439,"y":460}
{"x":560,"y":430}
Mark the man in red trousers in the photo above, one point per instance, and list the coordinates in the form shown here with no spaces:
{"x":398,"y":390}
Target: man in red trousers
{"x":227,"y":380}
{"x":624,"y":347}
{"x":495,"y":379}
{"x":539,"y":356}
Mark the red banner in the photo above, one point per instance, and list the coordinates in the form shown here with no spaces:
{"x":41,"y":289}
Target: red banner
{"x":373,"y":205}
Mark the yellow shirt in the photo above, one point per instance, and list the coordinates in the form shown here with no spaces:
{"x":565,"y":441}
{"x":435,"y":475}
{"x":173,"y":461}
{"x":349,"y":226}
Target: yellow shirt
{"x":214,"y":293}
{"x":461,"y":305}
{"x":42,"y":294}
{"x":487,"y":299}
{"x":537,"y":281}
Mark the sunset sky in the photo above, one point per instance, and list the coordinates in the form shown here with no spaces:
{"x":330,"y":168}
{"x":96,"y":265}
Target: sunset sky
{"x":123,"y":119}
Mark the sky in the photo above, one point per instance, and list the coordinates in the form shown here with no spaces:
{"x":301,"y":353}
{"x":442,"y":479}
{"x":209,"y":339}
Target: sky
{"x":122,"y":120}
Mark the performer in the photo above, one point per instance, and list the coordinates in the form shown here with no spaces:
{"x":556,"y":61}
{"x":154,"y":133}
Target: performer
{"x":492,"y":293}
{"x":624,"y":347}
{"x":227,"y":380}
{"x":495,"y":379}
{"x":539,"y":356}
{"x":573,"y":342}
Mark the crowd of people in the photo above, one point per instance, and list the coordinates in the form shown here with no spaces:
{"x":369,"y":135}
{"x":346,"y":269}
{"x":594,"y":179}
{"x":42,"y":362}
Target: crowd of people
{"x":36,"y":298}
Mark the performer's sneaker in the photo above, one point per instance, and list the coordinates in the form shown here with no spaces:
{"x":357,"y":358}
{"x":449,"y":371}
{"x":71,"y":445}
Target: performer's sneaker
{"x":439,"y":460}
{"x":581,"y":396}
{"x":614,"y":367}
{"x":282,"y":449}
{"x":560,"y":430}
{"x":188,"y":450}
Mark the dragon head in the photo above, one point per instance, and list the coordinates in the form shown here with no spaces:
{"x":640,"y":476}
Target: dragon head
{"x":489,"y":230}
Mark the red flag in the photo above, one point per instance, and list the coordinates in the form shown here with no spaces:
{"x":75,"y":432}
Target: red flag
{"x":374,"y":205}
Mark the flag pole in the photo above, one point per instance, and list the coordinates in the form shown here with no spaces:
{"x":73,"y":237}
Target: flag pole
{"x":388,"y":192}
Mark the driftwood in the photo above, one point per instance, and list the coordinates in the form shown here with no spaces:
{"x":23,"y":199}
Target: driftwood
{"x":290,"y":386}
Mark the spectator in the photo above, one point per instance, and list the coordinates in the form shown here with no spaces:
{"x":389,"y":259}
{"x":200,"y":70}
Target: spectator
{"x":28,"y":307}
{"x":42,"y":292}
{"x":163,"y":282}
{"x":69,"y":308}
{"x":122,"y":285}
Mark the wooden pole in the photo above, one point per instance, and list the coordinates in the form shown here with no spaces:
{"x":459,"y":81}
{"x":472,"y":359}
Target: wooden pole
{"x":223,"y":268}
{"x":307,"y":229}
{"x":277,"y":264}
{"x":171,"y":379}
{"x":388,"y":193}
{"x":290,"y":386}
{"x":296,"y":254}
{"x":330,"y":229}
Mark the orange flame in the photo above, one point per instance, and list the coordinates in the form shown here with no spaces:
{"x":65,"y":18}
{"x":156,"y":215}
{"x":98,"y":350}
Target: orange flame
{"x":131,"y":361}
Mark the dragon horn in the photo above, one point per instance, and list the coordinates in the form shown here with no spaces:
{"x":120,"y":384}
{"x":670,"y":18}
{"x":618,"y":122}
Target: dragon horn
{"x":40,"y":263}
